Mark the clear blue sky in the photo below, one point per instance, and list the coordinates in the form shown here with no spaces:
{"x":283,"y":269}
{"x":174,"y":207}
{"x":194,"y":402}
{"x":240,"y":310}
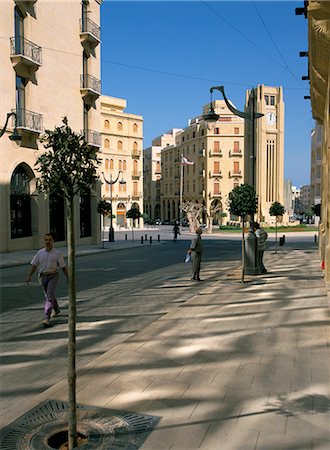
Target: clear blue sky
{"x":163,"y":57}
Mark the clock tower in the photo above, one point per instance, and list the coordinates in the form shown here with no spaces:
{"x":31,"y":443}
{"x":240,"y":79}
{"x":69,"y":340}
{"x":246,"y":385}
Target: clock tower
{"x":264,"y":147}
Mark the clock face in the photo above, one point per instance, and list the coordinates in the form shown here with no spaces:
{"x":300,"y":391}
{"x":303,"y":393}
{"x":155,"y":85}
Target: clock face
{"x":270,"y":118}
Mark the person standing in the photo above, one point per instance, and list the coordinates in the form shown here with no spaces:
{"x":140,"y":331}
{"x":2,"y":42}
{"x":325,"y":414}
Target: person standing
{"x":176,"y":231}
{"x":261,"y":241}
{"x":195,"y":249}
{"x":48,"y":261}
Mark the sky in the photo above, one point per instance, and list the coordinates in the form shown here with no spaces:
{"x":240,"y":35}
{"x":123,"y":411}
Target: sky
{"x":163,"y":57}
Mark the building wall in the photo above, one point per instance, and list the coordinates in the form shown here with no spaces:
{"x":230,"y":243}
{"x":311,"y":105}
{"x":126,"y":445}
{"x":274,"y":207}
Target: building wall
{"x":122,"y":146}
{"x":217,"y":151}
{"x":316,"y":164}
{"x":264,"y":168}
{"x":51,"y":92}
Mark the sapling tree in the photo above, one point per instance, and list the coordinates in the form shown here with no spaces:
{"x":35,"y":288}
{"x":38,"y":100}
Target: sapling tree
{"x":276,"y":210}
{"x":104,"y":209}
{"x":68,"y":168}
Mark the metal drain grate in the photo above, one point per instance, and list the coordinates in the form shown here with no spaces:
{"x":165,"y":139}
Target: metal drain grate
{"x":106,"y":429}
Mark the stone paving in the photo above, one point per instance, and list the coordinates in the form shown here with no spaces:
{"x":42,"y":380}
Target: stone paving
{"x":236,"y":366}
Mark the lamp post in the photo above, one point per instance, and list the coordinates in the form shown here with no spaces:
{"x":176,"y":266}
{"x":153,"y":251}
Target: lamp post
{"x":14,"y":136}
{"x":111,"y":182}
{"x":251,"y":115}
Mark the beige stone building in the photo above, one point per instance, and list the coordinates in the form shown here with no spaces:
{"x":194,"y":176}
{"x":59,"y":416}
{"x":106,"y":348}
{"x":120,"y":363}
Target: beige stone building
{"x":50,"y":68}
{"x":152,"y":172}
{"x":217,"y":151}
{"x":122,"y":160}
{"x":318,"y":15}
{"x":264,"y":147}
{"x":316,"y":164}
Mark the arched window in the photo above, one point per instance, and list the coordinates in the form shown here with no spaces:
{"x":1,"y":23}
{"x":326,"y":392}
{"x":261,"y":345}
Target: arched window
{"x":106,"y":124}
{"x":106,"y":164}
{"x":135,"y":167}
{"x":135,"y":145}
{"x":216,"y":187}
{"x":20,"y":204}
{"x":120,"y":164}
{"x":119,"y":145}
{"x":124,"y":165}
{"x":111,"y":164}
{"x":119,"y":126}
{"x":135,"y":128}
{"x":106,"y":143}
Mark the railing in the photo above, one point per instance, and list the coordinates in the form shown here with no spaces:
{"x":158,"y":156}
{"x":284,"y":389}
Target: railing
{"x":214,"y":173}
{"x":29,"y":120}
{"x":215,"y":152}
{"x":93,"y":138}
{"x":88,"y":26}
{"x":21,"y":46}
{"x":136,"y":153}
{"x":90,"y":82}
{"x":235,"y":173}
{"x":235,"y":152}
{"x":136,"y":174}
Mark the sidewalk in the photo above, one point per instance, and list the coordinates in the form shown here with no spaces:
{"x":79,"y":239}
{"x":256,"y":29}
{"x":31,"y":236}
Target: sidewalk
{"x":235,"y":367}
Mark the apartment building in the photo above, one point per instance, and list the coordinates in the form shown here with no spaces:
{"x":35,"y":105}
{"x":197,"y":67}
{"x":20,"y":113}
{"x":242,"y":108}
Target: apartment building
{"x":264,"y":147}
{"x":305,"y":195}
{"x":217,"y":152}
{"x":152,"y":172}
{"x":122,"y":161}
{"x":316,"y":164}
{"x":50,"y":68}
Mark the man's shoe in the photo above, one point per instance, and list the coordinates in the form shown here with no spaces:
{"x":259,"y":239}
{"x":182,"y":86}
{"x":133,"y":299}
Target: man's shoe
{"x":46,"y":323}
{"x":55,"y":313}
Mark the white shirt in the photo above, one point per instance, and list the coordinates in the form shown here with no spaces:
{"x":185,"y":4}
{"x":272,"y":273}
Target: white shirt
{"x":48,"y":263}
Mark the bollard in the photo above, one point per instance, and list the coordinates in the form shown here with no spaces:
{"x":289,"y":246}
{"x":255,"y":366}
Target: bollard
{"x":150,"y":240}
{"x":125,"y":237}
{"x":282,"y":240}
{"x":315,"y":238}
{"x":145,"y":237}
{"x":158,"y":238}
{"x":250,"y":262}
{"x":141,"y":239}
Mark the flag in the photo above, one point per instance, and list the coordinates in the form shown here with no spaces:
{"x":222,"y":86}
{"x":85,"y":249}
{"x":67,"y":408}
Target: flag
{"x":186,"y":161}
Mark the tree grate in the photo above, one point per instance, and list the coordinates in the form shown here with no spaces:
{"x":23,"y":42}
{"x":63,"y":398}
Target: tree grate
{"x":106,"y":429}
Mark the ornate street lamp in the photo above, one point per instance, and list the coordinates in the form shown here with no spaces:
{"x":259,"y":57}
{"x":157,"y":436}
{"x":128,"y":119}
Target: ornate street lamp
{"x":251,"y":115}
{"x":14,"y":136}
{"x":111,"y":182}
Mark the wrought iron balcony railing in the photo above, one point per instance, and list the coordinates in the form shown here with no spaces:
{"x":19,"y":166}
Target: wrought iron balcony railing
{"x":93,"y":138}
{"x":90,"y":82}
{"x":88,"y":26}
{"x":26,"y":48}
{"x":29,"y":120}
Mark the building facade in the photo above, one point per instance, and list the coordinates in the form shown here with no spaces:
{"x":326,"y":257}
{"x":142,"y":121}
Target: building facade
{"x":152,"y":173}
{"x":121,"y":153}
{"x":316,"y":164}
{"x":49,"y":69}
{"x":288,"y":202}
{"x":264,"y":147}
{"x":217,"y":153}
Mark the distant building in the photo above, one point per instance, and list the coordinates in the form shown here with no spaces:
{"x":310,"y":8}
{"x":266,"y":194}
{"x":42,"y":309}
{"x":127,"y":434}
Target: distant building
{"x":122,"y":144}
{"x":152,"y":173}
{"x":305,"y":196}
{"x":288,"y":202}
{"x":316,"y":164}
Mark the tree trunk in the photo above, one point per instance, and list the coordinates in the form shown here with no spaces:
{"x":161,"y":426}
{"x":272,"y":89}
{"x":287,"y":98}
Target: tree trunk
{"x":276,"y":235}
{"x":243,"y":249}
{"x":72,"y":425}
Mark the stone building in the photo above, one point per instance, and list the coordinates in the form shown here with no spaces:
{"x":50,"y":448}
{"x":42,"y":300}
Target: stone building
{"x":121,"y":153}
{"x":316,"y":164}
{"x":50,"y":68}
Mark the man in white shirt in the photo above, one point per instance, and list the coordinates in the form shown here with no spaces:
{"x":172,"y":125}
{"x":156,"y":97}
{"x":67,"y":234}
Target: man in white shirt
{"x":48,"y":260}
{"x":261,"y":237}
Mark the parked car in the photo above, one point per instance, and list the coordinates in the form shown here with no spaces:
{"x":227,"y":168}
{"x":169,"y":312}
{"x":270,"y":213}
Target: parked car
{"x":158,"y":222}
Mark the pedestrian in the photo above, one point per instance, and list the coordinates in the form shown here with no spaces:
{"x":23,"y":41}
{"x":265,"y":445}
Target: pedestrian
{"x":195,"y":249}
{"x":262,"y":236}
{"x":176,"y":231}
{"x":48,"y":261}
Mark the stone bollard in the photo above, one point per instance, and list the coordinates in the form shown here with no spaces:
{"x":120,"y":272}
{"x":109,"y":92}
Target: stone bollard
{"x":150,"y":240}
{"x":145,"y":237}
{"x":125,"y":237}
{"x":282,"y":240}
{"x":158,"y":238}
{"x":141,"y":239}
{"x":251,"y":260}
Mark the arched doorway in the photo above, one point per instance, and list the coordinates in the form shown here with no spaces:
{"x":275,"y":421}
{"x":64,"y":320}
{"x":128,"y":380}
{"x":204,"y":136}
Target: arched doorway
{"x":57,"y":217}
{"x":121,"y":215}
{"x":20,"y":202}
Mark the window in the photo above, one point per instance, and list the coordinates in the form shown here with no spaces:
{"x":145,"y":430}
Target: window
{"x":19,"y":31}
{"x":236,"y":130}
{"x":120,"y":165}
{"x":135,"y":128}
{"x":20,"y":204}
{"x":216,"y":187}
{"x":216,"y":167}
{"x":236,"y":167}
{"x":216,"y":146}
{"x":85,"y":214}
{"x":272,"y":100}
{"x":236,"y":147}
{"x":194,"y":134}
{"x":135,"y":167}
{"x":106,"y":143}
{"x":119,"y":126}
{"x":216,"y":130}
{"x":111,"y":164}
{"x":119,"y":145}
{"x":20,"y":100}
{"x":124,"y":165}
{"x":135,"y":145}
{"x":267,"y":99}
{"x":135,"y":189}
{"x":57,"y":217}
{"x":106,"y":124}
{"x":106,"y":165}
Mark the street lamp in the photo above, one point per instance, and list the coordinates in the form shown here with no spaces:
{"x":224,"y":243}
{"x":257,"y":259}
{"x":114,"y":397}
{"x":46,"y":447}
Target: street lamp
{"x":111,"y":182}
{"x":250,"y":115}
{"x":14,"y":136}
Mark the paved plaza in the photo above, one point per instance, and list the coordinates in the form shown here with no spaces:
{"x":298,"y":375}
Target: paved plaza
{"x":230,"y":366}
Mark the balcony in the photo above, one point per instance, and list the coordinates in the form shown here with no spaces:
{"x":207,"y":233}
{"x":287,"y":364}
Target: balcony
{"x":136,"y":175}
{"x":29,"y":122}
{"x":215,"y":174}
{"x":93,"y":138}
{"x":90,"y":88}
{"x":90,"y":34}
{"x":235,"y":152}
{"x":25,"y":56}
{"x":215,"y":152}
{"x":215,"y":195}
{"x":235,"y":174}
{"x":136,"y":195}
{"x":136,"y":154}
{"x":201,"y":152}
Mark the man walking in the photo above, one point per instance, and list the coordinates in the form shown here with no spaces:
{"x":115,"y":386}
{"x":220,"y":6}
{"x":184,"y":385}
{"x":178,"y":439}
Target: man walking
{"x":195,"y":249}
{"x":261,"y":242}
{"x":48,"y":260}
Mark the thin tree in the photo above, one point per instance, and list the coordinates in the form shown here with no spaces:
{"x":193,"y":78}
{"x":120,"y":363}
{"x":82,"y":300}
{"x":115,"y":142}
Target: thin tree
{"x":193,"y":212}
{"x":68,"y":167}
{"x":215,"y":209}
{"x":104,"y":209}
{"x":276,"y":210}
{"x":133,"y":213}
{"x":242,"y":202}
